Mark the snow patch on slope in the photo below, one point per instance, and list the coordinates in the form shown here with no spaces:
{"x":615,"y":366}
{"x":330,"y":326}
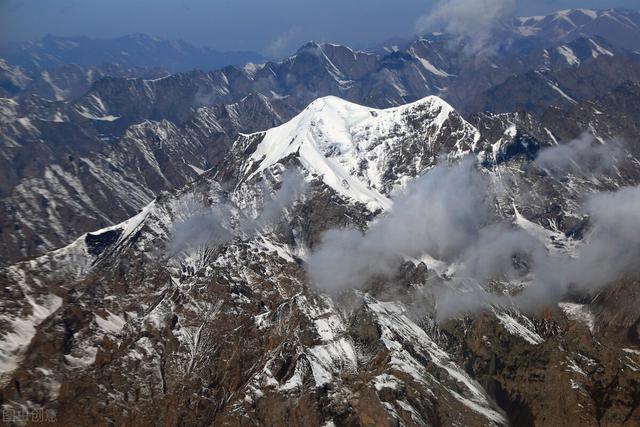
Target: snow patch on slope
{"x":517,"y":328}
{"x":554,"y":241}
{"x":579,"y":313}
{"x":398,"y":333}
{"x":569,"y":55}
{"x":21,"y":331}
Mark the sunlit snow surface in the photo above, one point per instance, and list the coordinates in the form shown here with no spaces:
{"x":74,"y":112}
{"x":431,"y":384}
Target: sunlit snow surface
{"x":347,"y":145}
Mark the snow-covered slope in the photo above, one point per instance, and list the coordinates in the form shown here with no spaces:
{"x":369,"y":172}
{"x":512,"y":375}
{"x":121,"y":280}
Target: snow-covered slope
{"x":361,"y":152}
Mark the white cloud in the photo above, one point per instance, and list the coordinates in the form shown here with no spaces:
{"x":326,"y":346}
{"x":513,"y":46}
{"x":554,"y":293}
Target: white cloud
{"x":472,"y":22}
{"x":282,"y":44}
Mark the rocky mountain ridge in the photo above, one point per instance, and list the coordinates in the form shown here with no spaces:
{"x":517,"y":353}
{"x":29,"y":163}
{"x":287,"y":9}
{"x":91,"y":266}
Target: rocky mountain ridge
{"x":65,"y":171}
{"x":118,"y":321}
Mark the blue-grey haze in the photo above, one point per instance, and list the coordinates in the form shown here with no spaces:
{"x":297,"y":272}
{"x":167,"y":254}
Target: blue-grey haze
{"x":270,"y":26}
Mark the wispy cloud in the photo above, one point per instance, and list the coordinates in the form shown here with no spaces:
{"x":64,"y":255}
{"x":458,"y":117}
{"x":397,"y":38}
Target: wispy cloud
{"x":471,"y":22}
{"x":584,"y":155}
{"x":199,"y":225}
{"x":440,"y":214}
{"x":283,"y":44}
{"x":448,"y":215}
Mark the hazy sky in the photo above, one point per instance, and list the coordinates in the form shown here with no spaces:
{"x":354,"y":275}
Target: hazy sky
{"x":268,"y":26}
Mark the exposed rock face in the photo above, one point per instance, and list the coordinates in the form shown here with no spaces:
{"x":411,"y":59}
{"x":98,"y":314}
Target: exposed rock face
{"x":66,"y":169}
{"x":120,"y":328}
{"x":12,"y":79}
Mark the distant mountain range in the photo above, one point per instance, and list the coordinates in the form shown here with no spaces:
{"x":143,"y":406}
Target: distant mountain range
{"x":619,"y":26}
{"x":131,"y":51}
{"x":65,"y":82}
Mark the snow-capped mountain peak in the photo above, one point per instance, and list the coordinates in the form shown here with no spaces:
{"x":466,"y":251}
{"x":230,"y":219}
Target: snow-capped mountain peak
{"x":364,"y":153}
